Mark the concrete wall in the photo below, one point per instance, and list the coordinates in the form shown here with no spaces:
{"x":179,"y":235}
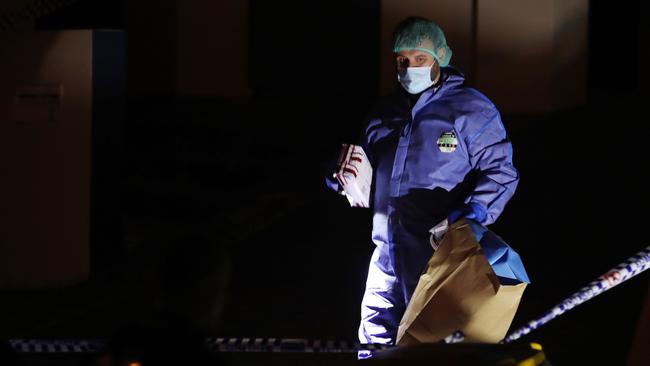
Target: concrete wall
{"x":532,"y":54}
{"x":528,"y":55}
{"x":188,"y":47}
{"x":45,"y":153}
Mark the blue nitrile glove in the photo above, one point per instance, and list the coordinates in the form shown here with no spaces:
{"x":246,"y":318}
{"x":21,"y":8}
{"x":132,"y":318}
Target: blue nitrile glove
{"x":473,"y":211}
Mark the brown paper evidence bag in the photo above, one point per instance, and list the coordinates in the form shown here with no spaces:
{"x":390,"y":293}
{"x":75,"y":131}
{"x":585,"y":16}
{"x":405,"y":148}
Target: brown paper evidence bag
{"x":459,"y":289}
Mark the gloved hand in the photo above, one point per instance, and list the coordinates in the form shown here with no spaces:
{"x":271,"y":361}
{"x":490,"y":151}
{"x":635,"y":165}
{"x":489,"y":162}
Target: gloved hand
{"x":351,"y":176}
{"x":332,"y":167}
{"x":333,"y":183}
{"x":350,"y":172}
{"x":473,"y":211}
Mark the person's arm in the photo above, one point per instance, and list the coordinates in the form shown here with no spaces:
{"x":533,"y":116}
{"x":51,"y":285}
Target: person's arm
{"x":490,"y":155}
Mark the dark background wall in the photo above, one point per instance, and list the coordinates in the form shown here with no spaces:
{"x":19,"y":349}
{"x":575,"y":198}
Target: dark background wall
{"x":615,"y":36}
{"x":314,"y":50}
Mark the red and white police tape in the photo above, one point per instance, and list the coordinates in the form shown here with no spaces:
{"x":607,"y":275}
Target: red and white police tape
{"x":626,"y":270}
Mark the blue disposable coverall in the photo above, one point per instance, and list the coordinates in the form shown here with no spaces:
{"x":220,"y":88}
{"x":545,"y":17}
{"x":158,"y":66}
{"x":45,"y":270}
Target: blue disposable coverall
{"x":448,"y":149}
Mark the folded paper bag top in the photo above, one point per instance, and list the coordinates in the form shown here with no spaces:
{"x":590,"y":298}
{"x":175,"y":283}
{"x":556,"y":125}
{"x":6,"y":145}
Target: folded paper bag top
{"x":472,"y":283}
{"x":505,"y":262}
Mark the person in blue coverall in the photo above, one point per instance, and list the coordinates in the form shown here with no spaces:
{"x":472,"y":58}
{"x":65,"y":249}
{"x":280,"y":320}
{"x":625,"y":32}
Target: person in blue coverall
{"x":439,"y":151}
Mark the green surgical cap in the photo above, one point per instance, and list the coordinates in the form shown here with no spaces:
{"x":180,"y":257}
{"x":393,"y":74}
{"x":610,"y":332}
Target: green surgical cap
{"x":421,"y":34}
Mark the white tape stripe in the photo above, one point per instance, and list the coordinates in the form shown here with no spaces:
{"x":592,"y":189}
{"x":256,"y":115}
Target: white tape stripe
{"x":623,"y":272}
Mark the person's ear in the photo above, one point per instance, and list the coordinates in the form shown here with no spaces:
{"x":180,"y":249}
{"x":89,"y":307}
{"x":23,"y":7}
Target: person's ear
{"x":399,"y":67}
{"x":435,"y":71}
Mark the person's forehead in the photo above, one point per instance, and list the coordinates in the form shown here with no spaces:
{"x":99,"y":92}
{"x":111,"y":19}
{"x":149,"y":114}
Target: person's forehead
{"x":413,"y":53}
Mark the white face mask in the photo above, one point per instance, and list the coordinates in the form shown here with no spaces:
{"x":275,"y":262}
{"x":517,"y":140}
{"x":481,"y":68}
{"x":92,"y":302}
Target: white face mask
{"x":416,"y":79}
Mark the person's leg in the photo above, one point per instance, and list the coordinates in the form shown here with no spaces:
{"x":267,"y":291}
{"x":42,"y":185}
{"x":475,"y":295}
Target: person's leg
{"x":410,"y":259}
{"x":381,"y":307}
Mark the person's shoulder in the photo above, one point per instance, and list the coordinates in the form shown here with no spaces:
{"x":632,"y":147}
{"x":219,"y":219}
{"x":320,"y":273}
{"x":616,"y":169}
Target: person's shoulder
{"x":471,"y":107}
{"x":463,"y":95}
{"x":475,"y":112}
